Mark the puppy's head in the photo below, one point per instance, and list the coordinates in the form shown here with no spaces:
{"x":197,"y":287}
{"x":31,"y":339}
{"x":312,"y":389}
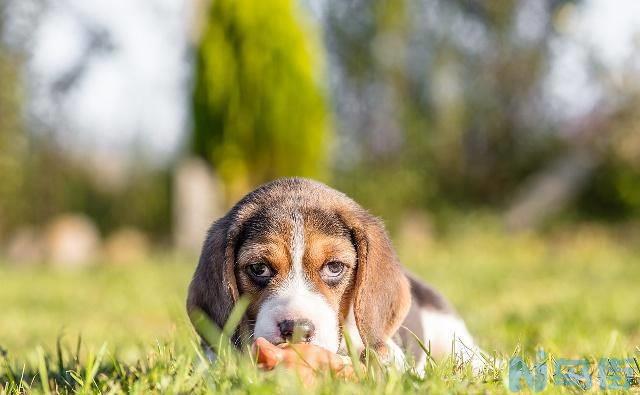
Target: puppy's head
{"x":304,"y":255}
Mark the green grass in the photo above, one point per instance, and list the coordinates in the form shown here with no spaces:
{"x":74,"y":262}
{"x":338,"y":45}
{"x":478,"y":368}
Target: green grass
{"x":112,"y":329}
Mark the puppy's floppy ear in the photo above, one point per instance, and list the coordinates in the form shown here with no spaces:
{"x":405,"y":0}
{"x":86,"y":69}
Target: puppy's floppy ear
{"x":382,"y":295}
{"x":213,"y":289}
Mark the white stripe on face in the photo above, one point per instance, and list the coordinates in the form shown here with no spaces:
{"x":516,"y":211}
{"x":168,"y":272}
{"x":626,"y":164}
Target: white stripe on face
{"x":297,"y":244}
{"x":295,"y":299}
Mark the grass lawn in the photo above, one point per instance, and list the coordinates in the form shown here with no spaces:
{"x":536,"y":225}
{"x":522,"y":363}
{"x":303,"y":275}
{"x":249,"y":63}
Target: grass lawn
{"x":574,"y":294}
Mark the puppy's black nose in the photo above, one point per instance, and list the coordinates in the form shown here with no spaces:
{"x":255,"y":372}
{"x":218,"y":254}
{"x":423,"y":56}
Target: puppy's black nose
{"x":297,"y":330}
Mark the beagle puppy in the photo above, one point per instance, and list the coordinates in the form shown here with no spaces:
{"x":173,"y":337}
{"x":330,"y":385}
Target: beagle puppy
{"x":315,"y":266}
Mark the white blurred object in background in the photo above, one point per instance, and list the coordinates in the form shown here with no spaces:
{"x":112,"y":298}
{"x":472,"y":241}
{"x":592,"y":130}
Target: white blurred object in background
{"x":198,"y":197}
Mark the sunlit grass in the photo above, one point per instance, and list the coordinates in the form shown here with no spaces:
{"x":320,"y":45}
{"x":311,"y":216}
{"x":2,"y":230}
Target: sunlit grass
{"x":124,"y":328}
{"x":126,"y":307}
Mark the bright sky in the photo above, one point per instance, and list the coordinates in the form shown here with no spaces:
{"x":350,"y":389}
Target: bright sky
{"x":138,"y":93}
{"x":611,"y":30}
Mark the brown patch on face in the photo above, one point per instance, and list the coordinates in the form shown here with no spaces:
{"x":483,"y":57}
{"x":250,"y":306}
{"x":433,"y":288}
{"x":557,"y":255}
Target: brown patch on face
{"x":322,"y":249}
{"x":266,"y":242}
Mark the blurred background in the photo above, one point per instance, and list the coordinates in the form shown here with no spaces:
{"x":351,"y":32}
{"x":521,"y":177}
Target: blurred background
{"x":126,"y":127}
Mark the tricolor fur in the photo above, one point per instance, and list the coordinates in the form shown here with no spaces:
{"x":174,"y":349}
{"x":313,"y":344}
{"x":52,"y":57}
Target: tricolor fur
{"x":307,"y":255}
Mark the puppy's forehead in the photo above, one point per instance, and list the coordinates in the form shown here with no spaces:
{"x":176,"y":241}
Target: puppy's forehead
{"x":281,"y":220}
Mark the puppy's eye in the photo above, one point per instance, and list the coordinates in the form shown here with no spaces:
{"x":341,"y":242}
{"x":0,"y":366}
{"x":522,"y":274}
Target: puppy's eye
{"x":332,"y":269}
{"x":260,"y":271}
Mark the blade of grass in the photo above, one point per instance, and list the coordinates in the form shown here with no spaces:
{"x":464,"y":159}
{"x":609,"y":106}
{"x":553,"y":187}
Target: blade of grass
{"x":94,"y":366}
{"x":7,"y":364}
{"x":351,"y":351}
{"x":235,"y":317}
{"x":423,"y":347}
{"x":59,"y":356}
{"x":209,"y":331}
{"x":43,"y":370}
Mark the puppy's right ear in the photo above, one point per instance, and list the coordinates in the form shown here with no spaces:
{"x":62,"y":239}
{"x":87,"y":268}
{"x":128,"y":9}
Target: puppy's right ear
{"x":213,"y":290}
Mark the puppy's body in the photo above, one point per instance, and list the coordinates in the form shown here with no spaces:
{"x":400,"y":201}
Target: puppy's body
{"x":432,"y":321}
{"x":314,"y":265}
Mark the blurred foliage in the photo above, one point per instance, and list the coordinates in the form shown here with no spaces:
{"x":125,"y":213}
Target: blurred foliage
{"x":258,"y":109}
{"x":440,"y":107}
{"x":40,"y":179}
{"x":614,"y":190}
{"x":142,"y":200}
{"x":461,"y":118}
{"x":12,"y":142}
{"x":460,"y":85}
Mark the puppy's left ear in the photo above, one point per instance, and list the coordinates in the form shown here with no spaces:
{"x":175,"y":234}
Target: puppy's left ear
{"x":382,"y":295}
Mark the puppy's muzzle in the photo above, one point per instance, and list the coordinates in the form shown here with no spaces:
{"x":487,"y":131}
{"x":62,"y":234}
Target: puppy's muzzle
{"x":300,"y":330}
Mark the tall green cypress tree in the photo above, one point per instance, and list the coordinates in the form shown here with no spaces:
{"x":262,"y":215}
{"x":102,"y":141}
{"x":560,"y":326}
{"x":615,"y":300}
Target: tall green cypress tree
{"x":259,"y":108}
